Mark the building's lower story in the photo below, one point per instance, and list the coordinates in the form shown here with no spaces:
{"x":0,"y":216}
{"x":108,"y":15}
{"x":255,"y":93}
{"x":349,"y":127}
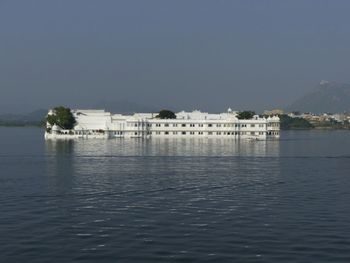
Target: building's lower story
{"x":101,"y":134}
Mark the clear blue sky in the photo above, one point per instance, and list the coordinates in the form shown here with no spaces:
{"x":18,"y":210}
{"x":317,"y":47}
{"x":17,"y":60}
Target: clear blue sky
{"x":181,"y":53}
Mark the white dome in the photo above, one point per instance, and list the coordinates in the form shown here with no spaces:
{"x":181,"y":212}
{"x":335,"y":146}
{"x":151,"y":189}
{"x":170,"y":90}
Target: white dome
{"x":78,"y":128}
{"x":56,"y":128}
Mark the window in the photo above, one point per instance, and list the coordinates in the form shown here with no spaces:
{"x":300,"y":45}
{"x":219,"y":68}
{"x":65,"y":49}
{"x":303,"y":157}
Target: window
{"x":192,"y":133}
{"x":210,"y":133}
{"x":210,"y":125}
{"x":166,"y":133}
{"x":158,"y":125}
{"x":183,"y":125}
{"x":252,"y":125}
{"x":135,"y":133}
{"x":183,"y":132}
{"x":135,"y":124}
{"x":200,"y":133}
{"x":218,"y":133}
{"x":218,"y":125}
{"x":174,"y":125}
{"x":252,"y":133}
{"x":200,"y":125}
{"x":166,"y":125}
{"x":192,"y":125}
{"x":174,"y":132}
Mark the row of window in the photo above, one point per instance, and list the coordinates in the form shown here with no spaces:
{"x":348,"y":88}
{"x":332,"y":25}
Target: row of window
{"x":200,"y":133}
{"x":138,"y":124}
{"x":209,"y":133}
{"x":191,"y":125}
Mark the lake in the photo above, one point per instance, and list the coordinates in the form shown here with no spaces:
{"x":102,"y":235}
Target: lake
{"x":175,"y":200}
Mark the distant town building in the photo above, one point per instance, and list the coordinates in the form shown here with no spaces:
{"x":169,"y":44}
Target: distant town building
{"x":273,"y":112}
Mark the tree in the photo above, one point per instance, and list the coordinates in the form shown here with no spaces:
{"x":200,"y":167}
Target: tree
{"x":166,"y":114}
{"x":245,"y":115}
{"x":294,"y":123}
{"x":62,"y":117}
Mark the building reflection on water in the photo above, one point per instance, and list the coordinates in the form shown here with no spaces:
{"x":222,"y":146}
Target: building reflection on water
{"x":164,"y":147}
{"x":99,"y":164}
{"x":114,"y":174}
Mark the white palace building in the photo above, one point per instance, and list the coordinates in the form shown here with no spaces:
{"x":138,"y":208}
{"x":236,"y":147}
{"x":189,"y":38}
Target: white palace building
{"x":102,"y":124}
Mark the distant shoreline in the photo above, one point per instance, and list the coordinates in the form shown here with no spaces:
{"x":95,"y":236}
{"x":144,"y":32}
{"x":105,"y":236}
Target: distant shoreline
{"x":21,"y":125}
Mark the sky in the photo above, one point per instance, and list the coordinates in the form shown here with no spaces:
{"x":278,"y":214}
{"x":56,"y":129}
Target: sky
{"x":179,"y":54}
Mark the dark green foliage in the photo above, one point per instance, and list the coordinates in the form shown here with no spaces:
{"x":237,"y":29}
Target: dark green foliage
{"x":166,"y":114}
{"x":332,"y":124}
{"x":62,"y":117}
{"x":287,"y":123}
{"x":246,"y":115}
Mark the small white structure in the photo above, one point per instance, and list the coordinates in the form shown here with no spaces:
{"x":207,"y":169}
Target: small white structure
{"x":102,"y":124}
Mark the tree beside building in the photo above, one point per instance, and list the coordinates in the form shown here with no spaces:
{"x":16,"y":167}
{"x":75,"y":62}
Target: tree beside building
{"x":166,"y":114}
{"x":61,"y":117}
{"x":245,"y":115}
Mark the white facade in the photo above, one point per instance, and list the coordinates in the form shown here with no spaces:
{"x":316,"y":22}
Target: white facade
{"x":101,"y":124}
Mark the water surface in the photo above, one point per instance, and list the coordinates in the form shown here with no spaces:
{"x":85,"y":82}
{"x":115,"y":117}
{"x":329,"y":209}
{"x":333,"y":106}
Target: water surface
{"x":175,"y":200}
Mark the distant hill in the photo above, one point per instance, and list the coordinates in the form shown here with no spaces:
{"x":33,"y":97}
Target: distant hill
{"x":37,"y":115}
{"x":326,"y":97}
{"x":34,"y":118}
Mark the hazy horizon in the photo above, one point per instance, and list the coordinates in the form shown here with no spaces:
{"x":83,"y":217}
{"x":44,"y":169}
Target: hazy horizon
{"x":207,"y":55}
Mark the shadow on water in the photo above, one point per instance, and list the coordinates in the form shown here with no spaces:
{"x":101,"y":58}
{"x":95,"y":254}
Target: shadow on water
{"x":61,"y":163}
{"x":58,"y":147}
